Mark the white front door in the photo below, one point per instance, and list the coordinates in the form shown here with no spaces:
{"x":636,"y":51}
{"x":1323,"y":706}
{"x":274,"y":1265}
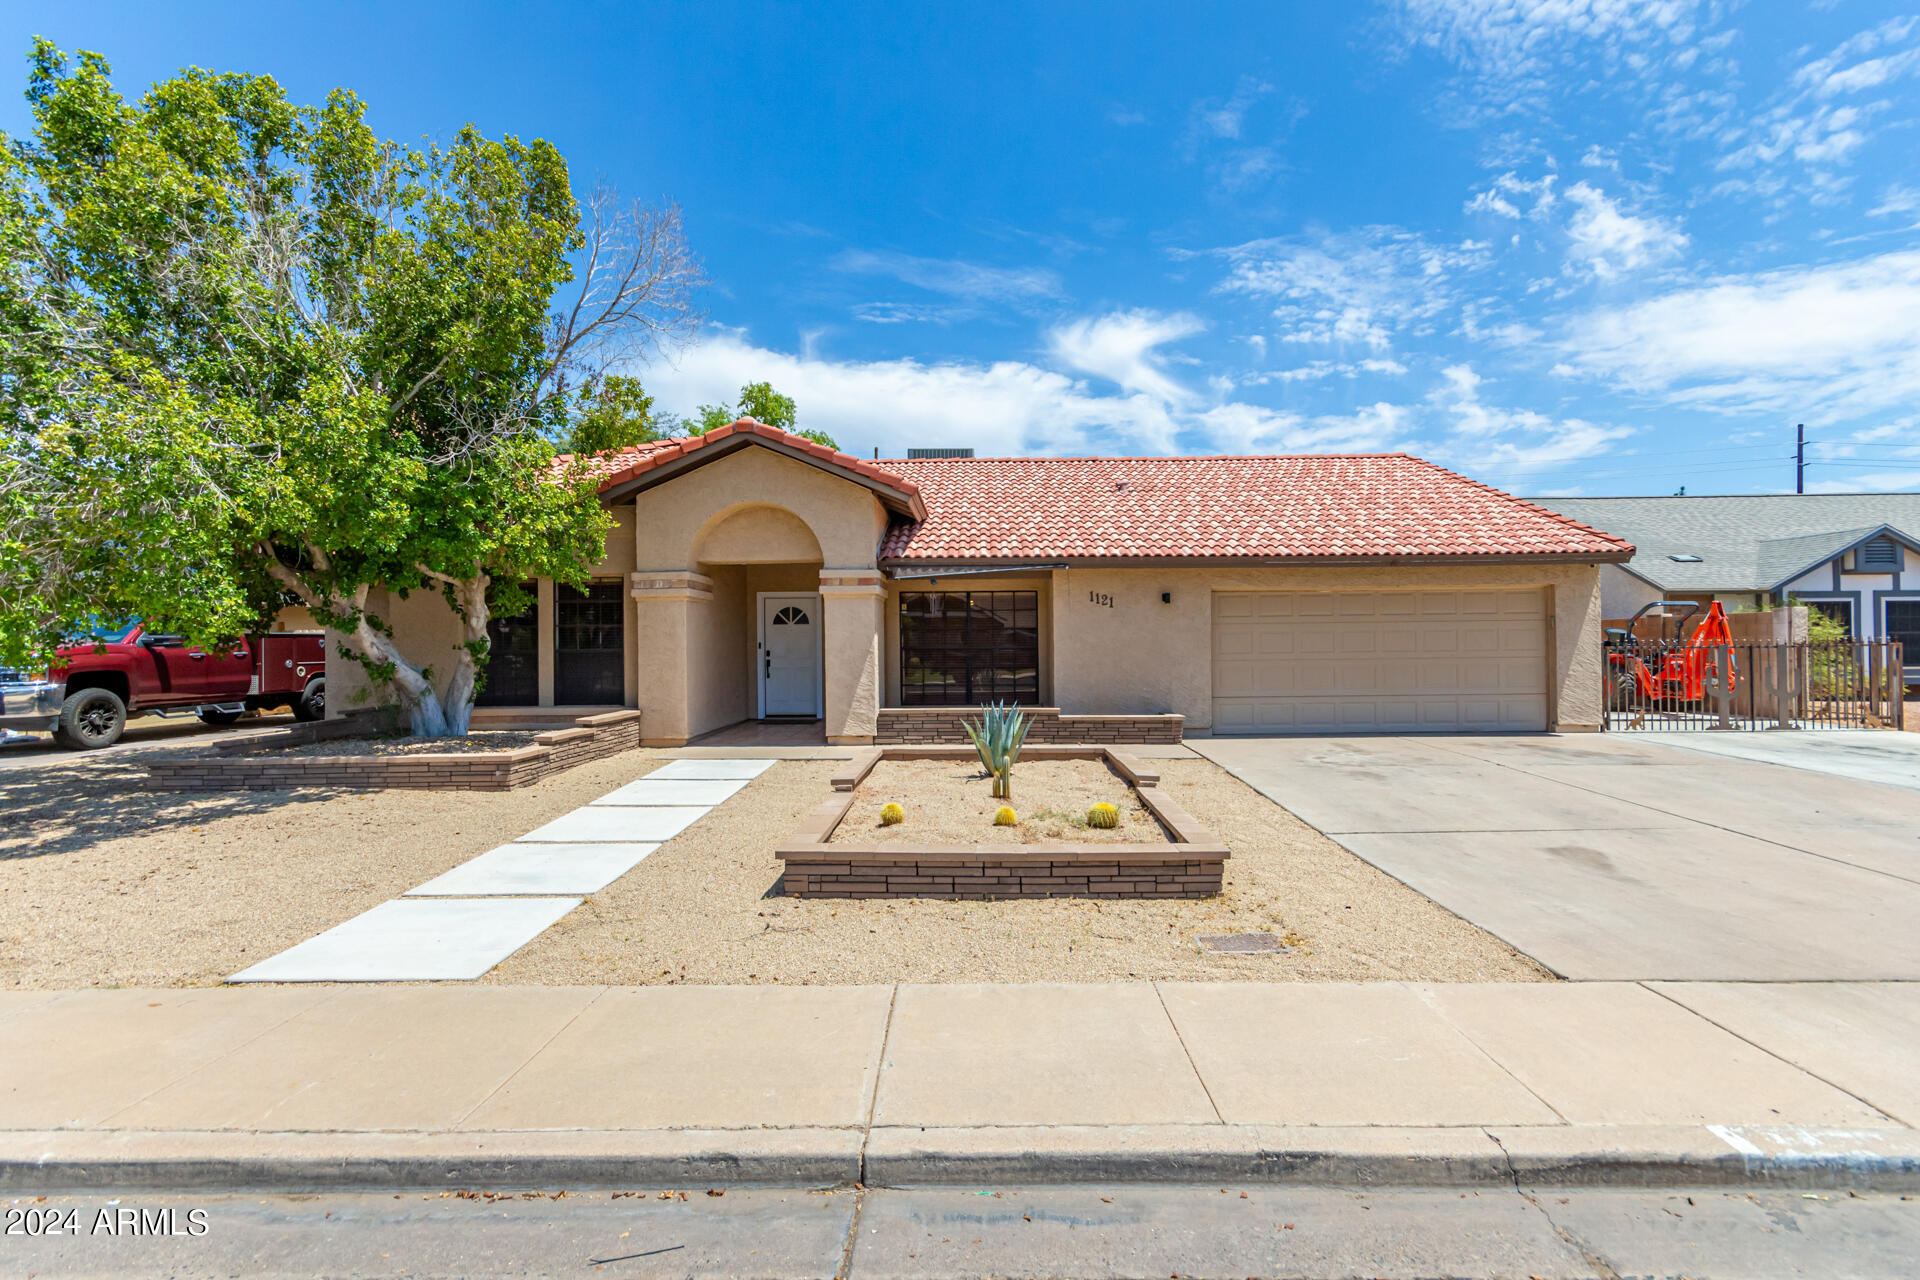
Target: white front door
{"x":789,"y":655}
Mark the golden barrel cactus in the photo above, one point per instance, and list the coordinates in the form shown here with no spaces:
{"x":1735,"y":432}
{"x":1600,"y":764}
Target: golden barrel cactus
{"x":892,"y":815}
{"x":1004,"y":816}
{"x":1103,"y":815}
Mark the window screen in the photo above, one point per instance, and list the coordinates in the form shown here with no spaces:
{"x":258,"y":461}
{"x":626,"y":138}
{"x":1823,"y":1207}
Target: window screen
{"x":964,"y":648}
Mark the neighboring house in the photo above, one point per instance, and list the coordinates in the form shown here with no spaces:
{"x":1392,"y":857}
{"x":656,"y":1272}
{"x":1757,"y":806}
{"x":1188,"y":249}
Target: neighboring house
{"x":753,"y":574}
{"x":1853,"y":556}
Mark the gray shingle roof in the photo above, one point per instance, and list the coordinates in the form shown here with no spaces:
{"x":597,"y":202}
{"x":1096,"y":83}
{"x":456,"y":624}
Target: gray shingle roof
{"x":1747,"y":543}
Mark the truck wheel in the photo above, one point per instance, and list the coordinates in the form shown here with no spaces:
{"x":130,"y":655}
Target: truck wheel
{"x":218,"y":718}
{"x":92,"y":718}
{"x":312,"y":704}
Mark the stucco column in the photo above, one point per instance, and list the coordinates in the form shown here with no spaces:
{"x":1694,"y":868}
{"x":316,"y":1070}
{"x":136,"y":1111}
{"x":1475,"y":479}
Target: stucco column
{"x":850,"y":602}
{"x":671,"y":605}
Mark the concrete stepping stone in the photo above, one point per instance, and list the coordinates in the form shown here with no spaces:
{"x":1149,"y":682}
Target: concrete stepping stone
{"x":537,"y":870}
{"x":617,"y":824}
{"x":652,"y":791}
{"x":416,"y":940}
{"x":712,"y":769}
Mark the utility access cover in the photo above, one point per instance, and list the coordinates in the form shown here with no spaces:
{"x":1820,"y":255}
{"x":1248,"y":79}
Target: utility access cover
{"x":1240,"y":944}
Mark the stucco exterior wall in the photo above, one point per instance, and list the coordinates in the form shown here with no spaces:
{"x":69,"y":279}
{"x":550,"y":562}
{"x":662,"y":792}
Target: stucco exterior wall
{"x":672,"y":519}
{"x":1867,"y":592}
{"x":715,"y":537}
{"x":1622,"y":594}
{"x":1139,"y":655}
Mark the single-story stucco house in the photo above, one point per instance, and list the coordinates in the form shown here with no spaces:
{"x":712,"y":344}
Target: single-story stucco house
{"x":754,"y":575}
{"x":1853,"y":556}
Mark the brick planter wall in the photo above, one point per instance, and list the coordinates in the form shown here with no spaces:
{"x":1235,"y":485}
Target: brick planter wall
{"x":1003,"y":875}
{"x":943,"y":724}
{"x":250,"y":765}
{"x":1192,"y":865}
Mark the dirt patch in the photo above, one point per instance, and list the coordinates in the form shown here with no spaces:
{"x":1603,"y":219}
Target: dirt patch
{"x":704,"y":908}
{"x":950,"y":802}
{"x":486,"y":740}
{"x":104,"y":883}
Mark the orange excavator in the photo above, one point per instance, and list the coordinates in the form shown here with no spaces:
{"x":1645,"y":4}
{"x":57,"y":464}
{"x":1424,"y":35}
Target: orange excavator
{"x":1673,"y":668}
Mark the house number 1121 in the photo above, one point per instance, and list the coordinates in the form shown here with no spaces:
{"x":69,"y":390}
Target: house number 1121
{"x":1100,"y":598}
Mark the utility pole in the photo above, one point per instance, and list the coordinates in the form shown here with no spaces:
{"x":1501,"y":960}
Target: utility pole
{"x":1800,"y":461}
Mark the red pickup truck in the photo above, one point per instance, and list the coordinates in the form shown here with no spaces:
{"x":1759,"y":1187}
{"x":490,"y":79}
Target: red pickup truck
{"x":128,"y":671}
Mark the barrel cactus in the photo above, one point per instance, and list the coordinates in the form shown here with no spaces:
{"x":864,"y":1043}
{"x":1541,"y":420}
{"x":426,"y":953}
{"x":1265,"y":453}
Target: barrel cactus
{"x":1004,"y":816}
{"x":892,"y":815}
{"x":998,"y":736}
{"x":1103,"y":815}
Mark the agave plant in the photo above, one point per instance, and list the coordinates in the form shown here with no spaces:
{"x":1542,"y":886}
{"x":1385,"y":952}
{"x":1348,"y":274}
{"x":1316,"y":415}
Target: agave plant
{"x":997,"y":736}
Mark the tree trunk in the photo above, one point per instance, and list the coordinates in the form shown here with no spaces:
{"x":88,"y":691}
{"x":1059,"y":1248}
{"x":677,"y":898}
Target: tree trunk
{"x":457,"y":704}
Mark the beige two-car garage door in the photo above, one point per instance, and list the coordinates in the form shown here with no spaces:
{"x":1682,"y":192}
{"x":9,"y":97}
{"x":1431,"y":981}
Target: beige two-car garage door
{"x":1379,"y":661}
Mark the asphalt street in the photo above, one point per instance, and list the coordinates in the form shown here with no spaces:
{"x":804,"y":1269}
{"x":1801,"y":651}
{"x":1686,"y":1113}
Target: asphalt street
{"x":1087,"y":1232}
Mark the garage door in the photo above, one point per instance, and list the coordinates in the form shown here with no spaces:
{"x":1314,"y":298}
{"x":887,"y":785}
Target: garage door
{"x":1379,"y":661}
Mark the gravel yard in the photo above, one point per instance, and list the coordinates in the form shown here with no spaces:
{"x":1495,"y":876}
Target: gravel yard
{"x":951,"y":802}
{"x":103,"y":884}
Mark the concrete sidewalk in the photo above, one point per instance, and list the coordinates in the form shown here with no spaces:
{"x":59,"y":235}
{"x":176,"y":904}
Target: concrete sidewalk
{"x":1595,"y":1083}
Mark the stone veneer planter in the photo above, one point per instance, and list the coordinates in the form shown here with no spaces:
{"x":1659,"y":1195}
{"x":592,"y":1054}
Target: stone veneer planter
{"x":1190,"y":867}
{"x":247,"y":765}
{"x":942,"y":724}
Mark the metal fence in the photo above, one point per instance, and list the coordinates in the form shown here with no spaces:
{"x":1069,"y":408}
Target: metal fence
{"x":1827,"y":684}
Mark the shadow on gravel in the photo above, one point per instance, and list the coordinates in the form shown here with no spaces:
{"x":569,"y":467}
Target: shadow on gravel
{"x":66,"y":806}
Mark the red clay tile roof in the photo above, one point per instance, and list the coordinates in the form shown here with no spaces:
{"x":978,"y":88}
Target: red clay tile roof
{"x":1327,"y":505}
{"x":621,"y":465}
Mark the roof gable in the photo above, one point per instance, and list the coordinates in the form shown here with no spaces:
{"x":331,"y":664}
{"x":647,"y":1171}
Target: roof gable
{"x":1755,"y":542}
{"x":622,"y":472}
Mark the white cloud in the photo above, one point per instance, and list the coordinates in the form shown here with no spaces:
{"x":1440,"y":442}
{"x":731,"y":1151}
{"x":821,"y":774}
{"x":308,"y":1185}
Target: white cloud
{"x":1224,"y":117}
{"x":1807,"y":125}
{"x":1124,"y":348}
{"x":1354,"y":288}
{"x":1508,"y":445}
{"x":1004,"y":408}
{"x":1608,"y":241}
{"x":1007,"y":407}
{"x":1501,"y":197}
{"x":1822,"y":341}
{"x":1520,"y":53}
{"x":953,"y":277}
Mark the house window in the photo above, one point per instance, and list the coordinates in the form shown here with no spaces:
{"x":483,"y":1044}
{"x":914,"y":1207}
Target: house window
{"x":963,"y":648}
{"x":589,"y":645}
{"x":1881,"y":554}
{"x":1903,"y":624}
{"x":1841,"y":611}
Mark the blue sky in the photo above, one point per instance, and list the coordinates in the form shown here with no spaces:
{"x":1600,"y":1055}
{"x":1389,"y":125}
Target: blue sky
{"x":1566,"y":246}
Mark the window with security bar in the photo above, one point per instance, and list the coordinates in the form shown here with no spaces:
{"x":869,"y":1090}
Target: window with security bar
{"x":964,"y":648}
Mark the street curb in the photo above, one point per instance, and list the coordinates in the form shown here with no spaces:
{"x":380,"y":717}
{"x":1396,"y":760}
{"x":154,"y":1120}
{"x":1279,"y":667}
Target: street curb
{"x":68,"y":1160}
{"x":1560,"y":1156}
{"x":1544,"y":1157}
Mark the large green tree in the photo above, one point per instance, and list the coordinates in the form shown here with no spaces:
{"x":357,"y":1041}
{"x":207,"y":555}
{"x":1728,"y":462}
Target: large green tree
{"x":255,"y":354}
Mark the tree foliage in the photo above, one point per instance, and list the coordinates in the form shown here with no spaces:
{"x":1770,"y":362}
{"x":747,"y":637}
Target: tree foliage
{"x":759,"y":401}
{"x":256,"y":354}
{"x":610,"y":412}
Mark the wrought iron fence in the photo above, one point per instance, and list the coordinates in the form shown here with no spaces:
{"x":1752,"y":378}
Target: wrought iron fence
{"x":1652,"y":684}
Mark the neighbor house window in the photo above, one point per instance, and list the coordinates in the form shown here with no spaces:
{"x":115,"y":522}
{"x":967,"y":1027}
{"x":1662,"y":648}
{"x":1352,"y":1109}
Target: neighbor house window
{"x":964,"y":648}
{"x":1903,"y":624}
{"x":1841,"y":611}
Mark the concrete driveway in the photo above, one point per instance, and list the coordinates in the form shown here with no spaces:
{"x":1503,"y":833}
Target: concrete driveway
{"x":1620,"y":857}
